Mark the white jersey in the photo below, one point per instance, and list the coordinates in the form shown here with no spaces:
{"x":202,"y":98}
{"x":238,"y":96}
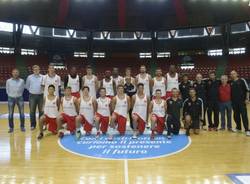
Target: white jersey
{"x":140,"y":107}
{"x":91,"y":84}
{"x":121,"y":106}
{"x":118,"y":80}
{"x":159,"y":84}
{"x":69,"y":107}
{"x":109,"y":87}
{"x":103,"y":106}
{"x":159,"y":109}
{"x":55,"y":80}
{"x":50,"y":107}
{"x":87,"y":109}
{"x":172,"y":82}
{"x":74,"y":83}
{"x":145,"y":82}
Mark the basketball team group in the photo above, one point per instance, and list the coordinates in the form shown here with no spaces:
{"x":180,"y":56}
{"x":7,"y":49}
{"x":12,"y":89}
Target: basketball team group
{"x":161,"y":103}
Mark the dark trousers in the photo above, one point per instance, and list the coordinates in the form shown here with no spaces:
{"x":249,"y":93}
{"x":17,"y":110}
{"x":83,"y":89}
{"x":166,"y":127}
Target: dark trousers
{"x":240,"y":112}
{"x":213,"y":108}
{"x":130,"y":118}
{"x":226,"y":110}
{"x":12,"y":102}
{"x":173,"y":125}
{"x":204,"y":113}
{"x":34,"y":102}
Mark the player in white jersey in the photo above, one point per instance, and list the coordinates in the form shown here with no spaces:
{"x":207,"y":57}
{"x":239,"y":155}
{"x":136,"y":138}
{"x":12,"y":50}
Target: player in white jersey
{"x":172,"y":79}
{"x":51,"y":79}
{"x":140,"y":103}
{"x":91,"y":81}
{"x":69,"y":113}
{"x":144,"y":78}
{"x":159,"y":82}
{"x":51,"y":108}
{"x":73,"y":80}
{"x":157,"y":108}
{"x":109,"y":84}
{"x":103,"y":112}
{"x":120,"y":107}
{"x":116,"y":77}
{"x":87,"y":109}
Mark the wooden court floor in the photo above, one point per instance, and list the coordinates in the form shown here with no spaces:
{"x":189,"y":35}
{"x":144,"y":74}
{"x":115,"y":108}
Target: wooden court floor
{"x":212,"y":155}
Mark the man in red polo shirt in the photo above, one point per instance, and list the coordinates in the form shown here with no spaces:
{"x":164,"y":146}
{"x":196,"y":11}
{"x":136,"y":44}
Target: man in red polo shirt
{"x":225,"y":103}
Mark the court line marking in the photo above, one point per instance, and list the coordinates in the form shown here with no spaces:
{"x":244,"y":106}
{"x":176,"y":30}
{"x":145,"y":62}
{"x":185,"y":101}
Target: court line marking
{"x":148,"y":158}
{"x":126,"y":176}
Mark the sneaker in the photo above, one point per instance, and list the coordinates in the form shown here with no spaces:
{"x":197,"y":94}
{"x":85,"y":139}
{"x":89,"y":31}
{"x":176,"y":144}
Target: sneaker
{"x":61,"y":135}
{"x":152,"y":136}
{"x":236,"y":130}
{"x":78,"y":135}
{"x":22,"y":129}
{"x":247,"y":133}
{"x":40,"y":136}
{"x":134,"y":136}
{"x":110,"y":138}
{"x":44,"y":127}
{"x":187,"y":133}
{"x":215,"y":129}
{"x":32,"y":128}
{"x":10,"y":130}
{"x":222,"y":129}
{"x":169,"y":136}
{"x":210,"y":129}
{"x":98,"y":134}
{"x":204,"y":127}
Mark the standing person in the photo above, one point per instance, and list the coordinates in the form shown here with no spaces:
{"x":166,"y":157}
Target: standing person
{"x":200,"y":88}
{"x":157,"y":108}
{"x":172,"y":78}
{"x":144,"y":78}
{"x":51,"y":110}
{"x":91,"y":81}
{"x":120,"y":106}
{"x":212,"y":89}
{"x":239,"y":97}
{"x":225,"y":103}
{"x":174,"y":105}
{"x":34,"y":86}
{"x":159,"y":82}
{"x":14,"y":89}
{"x":69,"y":112}
{"x":128,"y":74}
{"x":109,"y":84}
{"x":140,"y":103}
{"x":103,"y":113}
{"x":73,"y":80}
{"x":184,"y":87}
{"x":87,"y":109}
{"x":51,"y":79}
{"x":192,"y":112}
{"x":116,"y":77}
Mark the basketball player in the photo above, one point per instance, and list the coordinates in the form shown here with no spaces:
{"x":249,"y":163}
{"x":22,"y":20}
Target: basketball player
{"x":159,"y":82}
{"x":87,"y":109}
{"x":157,"y":108}
{"x":144,"y":78}
{"x":69,"y":112}
{"x":172,"y":80}
{"x":140,"y":103}
{"x":120,"y":107}
{"x":91,"y":81}
{"x":51,"y":79}
{"x":51,"y":109}
{"x":109,"y":84}
{"x":103,"y":112}
{"x":192,"y":112}
{"x":73,"y":80}
{"x":116,"y":77}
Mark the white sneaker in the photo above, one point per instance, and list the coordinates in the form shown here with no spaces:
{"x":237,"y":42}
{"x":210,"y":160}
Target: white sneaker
{"x":235,"y":130}
{"x":78,"y":135}
{"x":134,"y":136}
{"x":110,"y":138}
{"x":247,"y":133}
{"x":169,"y":136}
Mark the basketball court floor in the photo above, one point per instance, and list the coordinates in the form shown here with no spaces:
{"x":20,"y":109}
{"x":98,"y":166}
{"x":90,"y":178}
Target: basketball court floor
{"x":209,"y":158}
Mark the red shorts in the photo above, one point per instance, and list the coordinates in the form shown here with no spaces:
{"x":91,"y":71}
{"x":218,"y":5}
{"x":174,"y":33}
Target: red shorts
{"x":110,"y":97}
{"x":76,"y":94}
{"x":86,"y":125}
{"x":51,"y":122}
{"x":160,"y":124}
{"x":141,"y":124}
{"x":163,"y":97}
{"x":168,"y":94}
{"x":70,"y":121}
{"x":104,"y":122}
{"x":121,"y":121}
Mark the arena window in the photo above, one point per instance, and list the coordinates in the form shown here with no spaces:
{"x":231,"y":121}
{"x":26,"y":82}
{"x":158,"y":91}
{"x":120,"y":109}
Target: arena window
{"x":6,"y":50}
{"x":186,"y":66}
{"x":145,"y":55}
{"x":27,"y":30}
{"x":60,"y":33}
{"x":31,"y":52}
{"x":80,"y":54}
{"x":146,"y":36}
{"x":236,"y":51}
{"x":80,"y":34}
{"x":216,"y":52}
{"x":163,"y":54}
{"x":99,"y":55}
{"x":6,"y":27}
{"x":239,"y":28}
{"x":162,"y":35}
{"x":189,"y":33}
